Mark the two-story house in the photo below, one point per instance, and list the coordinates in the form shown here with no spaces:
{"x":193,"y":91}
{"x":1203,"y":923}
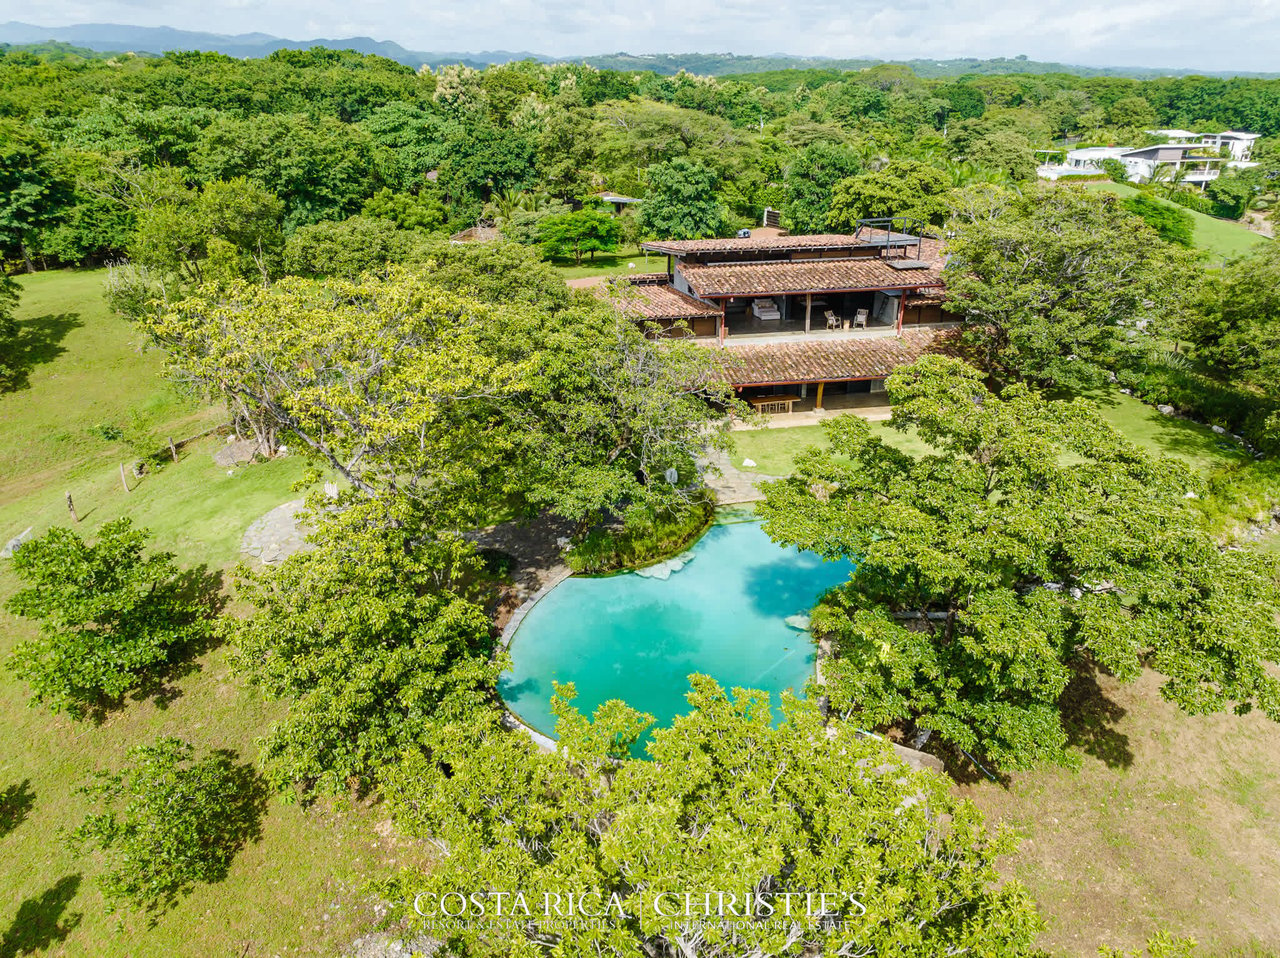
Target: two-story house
{"x":800,"y":318}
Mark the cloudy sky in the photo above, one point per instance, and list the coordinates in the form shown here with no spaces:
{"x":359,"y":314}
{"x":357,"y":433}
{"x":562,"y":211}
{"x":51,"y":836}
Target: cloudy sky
{"x":1202,"y":34}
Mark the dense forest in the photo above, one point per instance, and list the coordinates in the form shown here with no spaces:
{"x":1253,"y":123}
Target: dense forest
{"x":276,"y":230}
{"x":90,"y":146}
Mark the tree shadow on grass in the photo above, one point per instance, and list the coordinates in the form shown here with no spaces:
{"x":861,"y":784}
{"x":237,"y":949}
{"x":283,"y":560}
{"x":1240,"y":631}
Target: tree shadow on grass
{"x":39,"y":341}
{"x":1089,"y":716}
{"x":232,"y":821}
{"x":203,"y":589}
{"x":42,"y":921}
{"x":15,"y":803}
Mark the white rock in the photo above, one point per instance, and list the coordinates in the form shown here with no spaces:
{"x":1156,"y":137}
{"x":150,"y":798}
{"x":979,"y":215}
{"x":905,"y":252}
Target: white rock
{"x":1166,"y":409}
{"x":749,"y":463}
{"x":798,"y":622}
{"x":1219,"y":430}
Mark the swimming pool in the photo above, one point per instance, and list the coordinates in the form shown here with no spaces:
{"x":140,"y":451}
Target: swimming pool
{"x":637,"y":637}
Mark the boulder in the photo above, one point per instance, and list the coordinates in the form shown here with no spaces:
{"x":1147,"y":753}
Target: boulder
{"x":1166,"y":409}
{"x":14,"y":544}
{"x":1219,"y":430}
{"x":748,"y":463}
{"x":236,"y":451}
{"x":798,"y":622}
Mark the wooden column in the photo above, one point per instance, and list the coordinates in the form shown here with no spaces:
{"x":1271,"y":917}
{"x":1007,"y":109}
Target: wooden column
{"x":723,"y":324}
{"x":902,"y":309}
{"x":817,"y":403}
{"x":808,"y":309}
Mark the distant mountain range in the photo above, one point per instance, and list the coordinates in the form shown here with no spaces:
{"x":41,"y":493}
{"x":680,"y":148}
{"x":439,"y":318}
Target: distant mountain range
{"x":122,"y":38}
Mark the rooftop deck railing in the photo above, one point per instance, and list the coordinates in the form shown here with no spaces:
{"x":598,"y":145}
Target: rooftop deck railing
{"x":894,"y":233}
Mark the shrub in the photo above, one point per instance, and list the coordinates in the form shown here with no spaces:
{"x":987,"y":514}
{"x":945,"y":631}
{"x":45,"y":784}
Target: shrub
{"x":169,"y":821}
{"x":1185,"y":387}
{"x":109,"y":616}
{"x":1170,"y":223}
{"x":640,"y":543}
{"x":1115,"y":170}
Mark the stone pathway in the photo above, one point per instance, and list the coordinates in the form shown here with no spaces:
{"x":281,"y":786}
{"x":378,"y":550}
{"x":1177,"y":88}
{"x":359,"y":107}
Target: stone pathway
{"x":733,"y":485}
{"x":277,"y":535}
{"x":538,"y":550}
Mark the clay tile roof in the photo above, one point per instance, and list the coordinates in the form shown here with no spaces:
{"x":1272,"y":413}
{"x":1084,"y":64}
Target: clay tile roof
{"x":657,"y":301}
{"x":768,"y":364}
{"x":735,"y":244}
{"x":808,"y":276}
{"x":926,"y":296}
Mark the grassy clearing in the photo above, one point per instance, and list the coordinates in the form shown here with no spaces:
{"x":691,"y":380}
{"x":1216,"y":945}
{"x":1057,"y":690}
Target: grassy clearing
{"x":774,"y":450}
{"x":1224,"y":239}
{"x":1170,"y":823}
{"x":611,"y":264}
{"x":297,"y":890}
{"x":82,"y":368}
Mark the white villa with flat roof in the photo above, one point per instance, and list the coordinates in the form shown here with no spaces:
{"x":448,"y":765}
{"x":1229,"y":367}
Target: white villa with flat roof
{"x":1198,"y":155}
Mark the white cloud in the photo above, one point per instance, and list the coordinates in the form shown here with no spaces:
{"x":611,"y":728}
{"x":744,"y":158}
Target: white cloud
{"x":1173,"y":33}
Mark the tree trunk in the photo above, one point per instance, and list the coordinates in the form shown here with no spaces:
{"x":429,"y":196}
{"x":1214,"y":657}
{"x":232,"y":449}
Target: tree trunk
{"x":26,"y":258}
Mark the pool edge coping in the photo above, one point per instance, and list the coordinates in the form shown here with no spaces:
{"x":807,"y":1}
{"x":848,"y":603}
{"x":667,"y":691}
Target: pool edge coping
{"x":510,"y":719}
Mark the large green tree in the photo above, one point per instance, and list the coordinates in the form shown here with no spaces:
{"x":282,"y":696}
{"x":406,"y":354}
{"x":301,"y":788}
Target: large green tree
{"x":31,"y":194}
{"x":810,"y":178}
{"x":372,"y":636}
{"x":225,"y":230}
{"x":110,"y":616}
{"x":1032,"y":541}
{"x":408,"y":386}
{"x":680,"y":201}
{"x":8,"y":331}
{"x":1058,"y":284}
{"x":904,"y":188}
{"x":738,"y":835}
{"x":580,"y":231}
{"x":1238,"y":324}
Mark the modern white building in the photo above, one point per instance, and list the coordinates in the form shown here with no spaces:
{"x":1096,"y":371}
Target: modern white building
{"x":1196,"y":156}
{"x":1240,"y":144}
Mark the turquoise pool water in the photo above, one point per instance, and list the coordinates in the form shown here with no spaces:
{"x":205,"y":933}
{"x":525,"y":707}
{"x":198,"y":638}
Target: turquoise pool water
{"x":637,"y":638}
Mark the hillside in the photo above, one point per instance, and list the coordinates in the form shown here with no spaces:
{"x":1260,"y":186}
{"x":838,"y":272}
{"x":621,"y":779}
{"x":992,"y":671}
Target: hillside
{"x":113,"y":38}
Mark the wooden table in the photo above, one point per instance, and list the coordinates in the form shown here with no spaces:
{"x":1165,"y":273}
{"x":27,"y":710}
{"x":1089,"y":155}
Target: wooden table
{"x":774,"y":403}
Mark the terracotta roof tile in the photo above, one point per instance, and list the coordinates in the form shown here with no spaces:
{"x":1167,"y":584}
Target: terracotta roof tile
{"x":749,"y":243}
{"x":657,"y":300}
{"x":816,"y":361}
{"x":805,"y":276}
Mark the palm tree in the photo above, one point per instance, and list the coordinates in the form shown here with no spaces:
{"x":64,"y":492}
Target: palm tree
{"x":1171,"y":173}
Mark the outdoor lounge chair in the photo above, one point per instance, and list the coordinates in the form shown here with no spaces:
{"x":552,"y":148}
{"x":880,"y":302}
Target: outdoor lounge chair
{"x":860,"y":319}
{"x":832,"y":321}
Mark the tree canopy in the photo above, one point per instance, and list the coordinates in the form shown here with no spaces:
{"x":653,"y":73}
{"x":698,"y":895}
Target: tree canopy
{"x":763,"y":816}
{"x":680,"y":202}
{"x":373,"y":636}
{"x":407,"y":387}
{"x":1058,"y":284}
{"x":1031,"y":544}
{"x":110,"y":616}
{"x":168,"y":821}
{"x":906,"y":188}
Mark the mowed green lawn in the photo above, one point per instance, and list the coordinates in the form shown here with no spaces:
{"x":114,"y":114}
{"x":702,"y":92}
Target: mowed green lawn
{"x":1221,"y":238}
{"x":298,"y":890}
{"x":612,"y":264}
{"x":774,"y":450}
